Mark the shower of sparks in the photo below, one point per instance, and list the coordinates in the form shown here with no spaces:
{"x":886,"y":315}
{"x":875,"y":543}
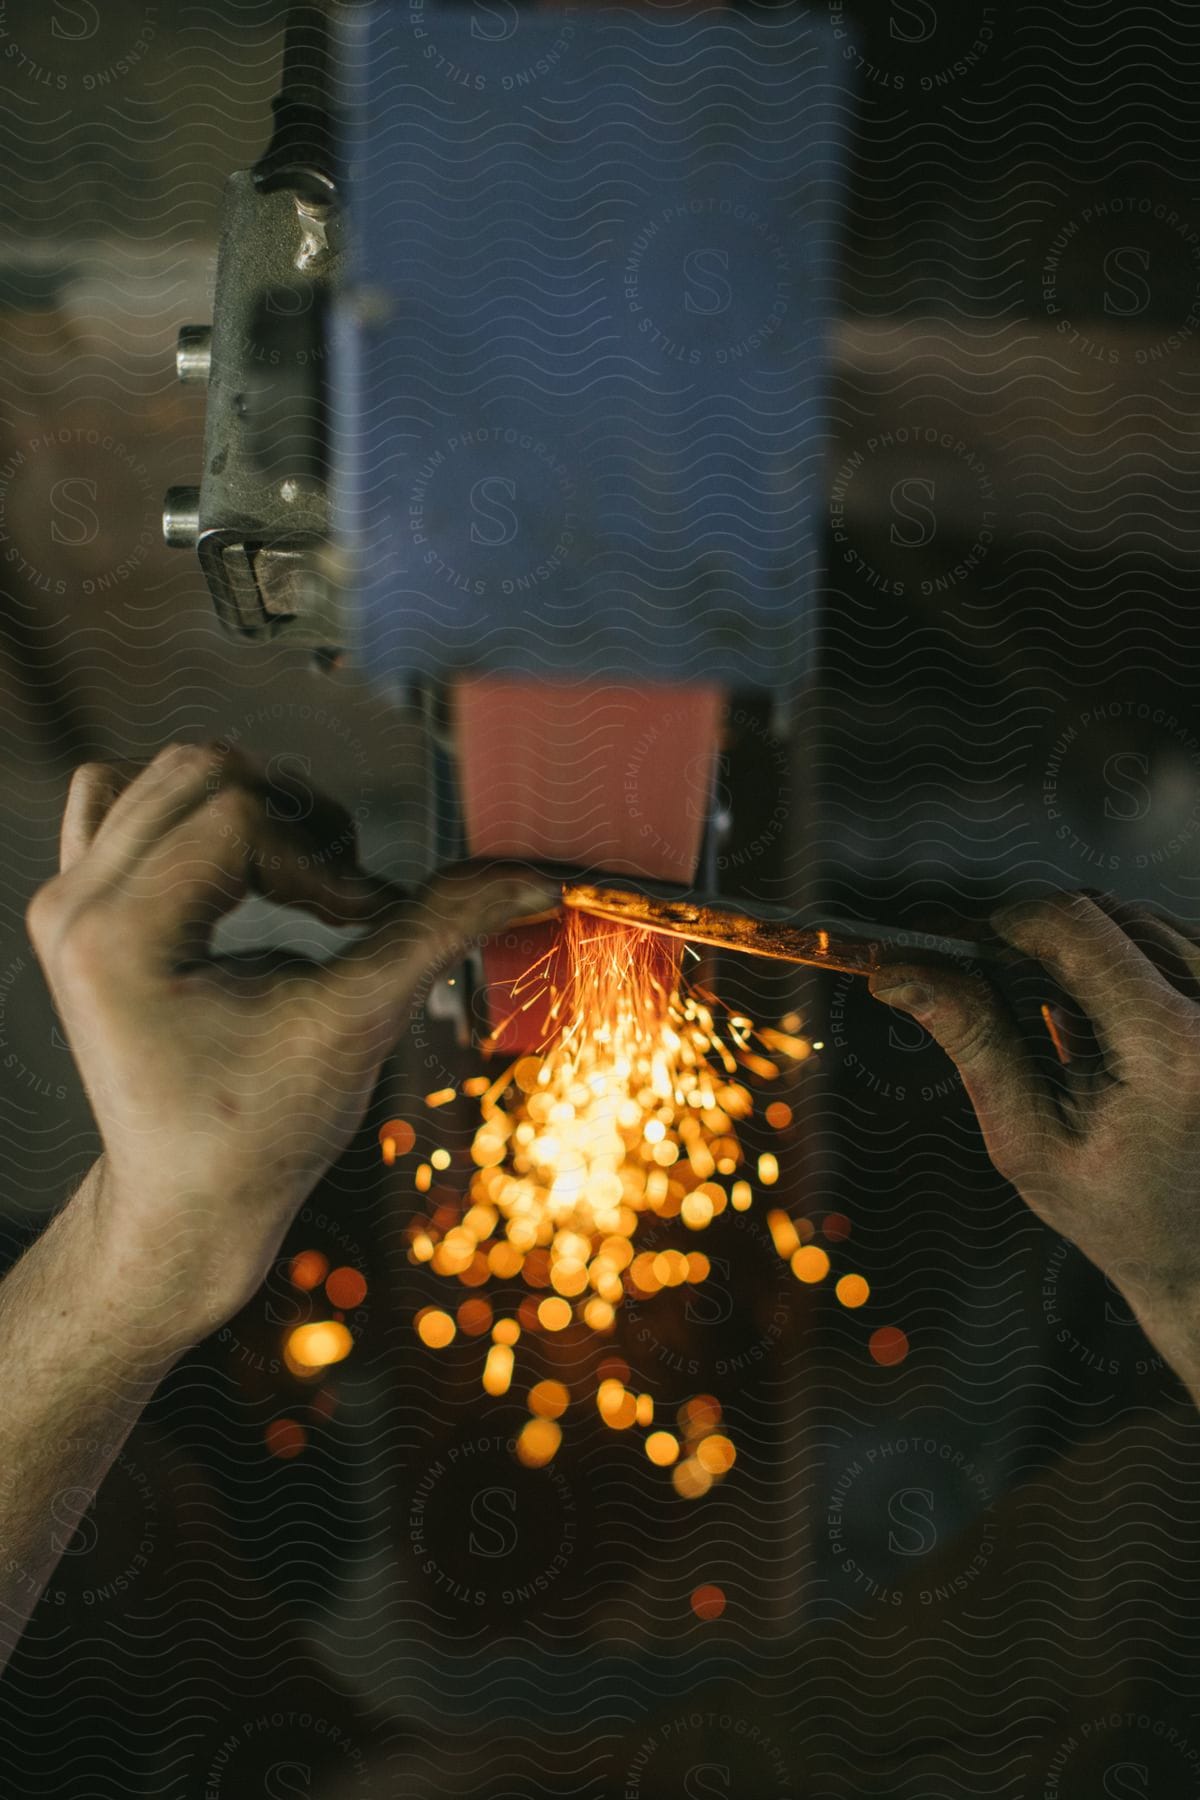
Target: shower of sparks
{"x":631,"y":1108}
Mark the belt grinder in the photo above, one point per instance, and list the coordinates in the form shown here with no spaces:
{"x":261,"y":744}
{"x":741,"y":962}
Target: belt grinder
{"x":515,"y":393}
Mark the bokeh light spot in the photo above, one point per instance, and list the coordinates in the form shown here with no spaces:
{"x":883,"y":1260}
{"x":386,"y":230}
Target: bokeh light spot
{"x":689,"y":1480}
{"x":346,"y":1288}
{"x":435,"y":1328}
{"x":537,"y":1442}
{"x":286,"y":1438}
{"x":708,"y":1602}
{"x":554,"y":1314}
{"x":888,"y":1345}
{"x":716,"y":1455}
{"x":401,"y":1137}
{"x":317,"y":1345}
{"x":810,"y":1263}
{"x":549,"y":1399}
{"x":474,"y":1316}
{"x":308,"y":1270}
{"x":498,"y":1370}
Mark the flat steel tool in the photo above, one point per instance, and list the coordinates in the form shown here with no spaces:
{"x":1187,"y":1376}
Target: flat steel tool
{"x":850,"y":946}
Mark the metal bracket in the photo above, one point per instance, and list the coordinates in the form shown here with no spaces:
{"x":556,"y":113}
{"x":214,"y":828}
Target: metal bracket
{"x":260,"y":518}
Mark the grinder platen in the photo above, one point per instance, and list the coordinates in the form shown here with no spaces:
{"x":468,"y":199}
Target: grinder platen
{"x":544,"y":769}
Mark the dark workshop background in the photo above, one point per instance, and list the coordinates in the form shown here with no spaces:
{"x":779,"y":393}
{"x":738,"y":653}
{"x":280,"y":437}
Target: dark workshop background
{"x":971,"y":1573}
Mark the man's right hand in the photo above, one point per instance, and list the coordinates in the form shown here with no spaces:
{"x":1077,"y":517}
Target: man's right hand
{"x":224,"y":1089}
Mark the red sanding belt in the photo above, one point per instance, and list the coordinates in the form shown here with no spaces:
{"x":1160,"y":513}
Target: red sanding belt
{"x":610,"y":776}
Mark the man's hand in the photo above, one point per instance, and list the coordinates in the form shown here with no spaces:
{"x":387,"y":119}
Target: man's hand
{"x":1112,"y":1157}
{"x":223,"y":1090}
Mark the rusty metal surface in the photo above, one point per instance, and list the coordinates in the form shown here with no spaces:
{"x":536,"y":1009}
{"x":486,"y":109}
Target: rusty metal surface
{"x":850,"y":947}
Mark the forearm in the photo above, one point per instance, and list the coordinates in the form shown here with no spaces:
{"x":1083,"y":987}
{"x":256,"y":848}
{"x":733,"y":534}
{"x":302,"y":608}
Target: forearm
{"x":83,"y":1344}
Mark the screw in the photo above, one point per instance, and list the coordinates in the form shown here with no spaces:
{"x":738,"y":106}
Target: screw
{"x":193,"y":353}
{"x":181,"y":517}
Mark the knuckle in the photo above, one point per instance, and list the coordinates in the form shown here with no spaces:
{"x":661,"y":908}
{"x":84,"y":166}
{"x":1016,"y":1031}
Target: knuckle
{"x":1021,"y":923}
{"x":970,"y":1036}
{"x":207,"y":763}
{"x":1061,"y":928}
{"x":234,"y":809}
{"x":44,"y":914}
{"x":1049,"y":912}
{"x":184,"y":757}
{"x":86,"y":946}
{"x":1077,"y":904}
{"x":90,"y":777}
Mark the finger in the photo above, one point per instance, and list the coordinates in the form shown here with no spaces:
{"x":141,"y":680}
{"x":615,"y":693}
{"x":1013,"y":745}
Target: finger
{"x":1182,"y":928}
{"x":179,"y":779}
{"x":300,"y":849}
{"x":979,"y":1034}
{"x":1186,"y":930}
{"x":283,"y":872}
{"x":1176,"y":960}
{"x":1185,"y":938}
{"x":94,"y":787}
{"x":1097,"y":965}
{"x":460,"y":906}
{"x":163,"y":911}
{"x":227,"y":848}
{"x":302,"y":845}
{"x":288,"y":864}
{"x":293,"y":806}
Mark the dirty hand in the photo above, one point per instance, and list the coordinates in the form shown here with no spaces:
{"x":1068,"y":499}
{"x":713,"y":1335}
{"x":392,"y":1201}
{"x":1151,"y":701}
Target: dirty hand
{"x":223,"y":1089}
{"x":1112,"y":1157}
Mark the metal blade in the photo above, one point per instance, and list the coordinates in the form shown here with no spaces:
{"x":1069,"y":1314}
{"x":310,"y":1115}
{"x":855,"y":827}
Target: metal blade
{"x":847,"y":946}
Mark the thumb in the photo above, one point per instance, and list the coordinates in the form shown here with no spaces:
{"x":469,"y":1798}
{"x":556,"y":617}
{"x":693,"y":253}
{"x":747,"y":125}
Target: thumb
{"x":471,"y":900}
{"x":411,"y":940}
{"x":974,"y":1026}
